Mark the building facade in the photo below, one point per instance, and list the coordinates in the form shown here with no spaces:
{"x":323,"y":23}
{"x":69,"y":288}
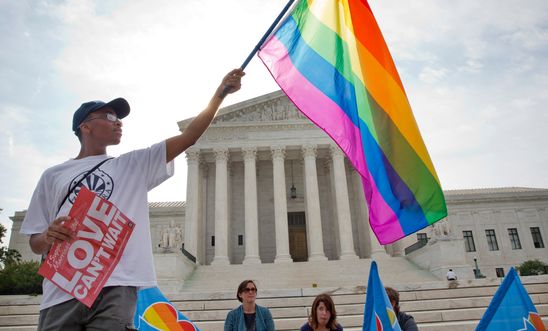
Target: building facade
{"x":499,"y":228}
{"x":266,"y":186}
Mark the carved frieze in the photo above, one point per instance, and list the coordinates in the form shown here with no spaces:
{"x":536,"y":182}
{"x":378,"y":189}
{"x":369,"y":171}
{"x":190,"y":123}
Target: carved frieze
{"x":279,"y":109}
{"x":223,"y":134}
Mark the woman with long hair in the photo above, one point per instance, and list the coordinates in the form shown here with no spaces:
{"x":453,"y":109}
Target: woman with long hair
{"x":323,"y":316}
{"x":249,"y":316}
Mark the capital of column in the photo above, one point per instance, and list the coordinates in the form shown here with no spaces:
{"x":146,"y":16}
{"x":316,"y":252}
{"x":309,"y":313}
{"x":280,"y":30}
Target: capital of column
{"x":336,"y":152}
{"x":278,"y":152}
{"x":309,"y":151}
{"x":192,"y":156}
{"x":221,"y":154}
{"x":249,"y":153}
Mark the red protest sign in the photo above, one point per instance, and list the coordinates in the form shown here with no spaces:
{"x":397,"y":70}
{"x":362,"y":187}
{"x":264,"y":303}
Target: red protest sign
{"x":82,"y":266}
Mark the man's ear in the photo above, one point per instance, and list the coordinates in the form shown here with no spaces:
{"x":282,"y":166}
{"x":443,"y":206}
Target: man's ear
{"x":84,"y":128}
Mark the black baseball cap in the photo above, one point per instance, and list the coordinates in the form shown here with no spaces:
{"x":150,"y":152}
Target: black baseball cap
{"x":119,"y":105}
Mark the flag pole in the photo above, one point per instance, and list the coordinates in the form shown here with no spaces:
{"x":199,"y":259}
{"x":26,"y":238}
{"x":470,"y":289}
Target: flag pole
{"x":260,"y":43}
{"x":272,"y":26}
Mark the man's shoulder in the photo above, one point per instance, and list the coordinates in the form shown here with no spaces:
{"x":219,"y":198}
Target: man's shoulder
{"x":55,"y":169}
{"x":404,"y":317}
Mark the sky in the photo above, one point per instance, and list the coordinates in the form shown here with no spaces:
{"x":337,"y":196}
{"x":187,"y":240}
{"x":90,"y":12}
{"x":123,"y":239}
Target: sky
{"x":475,"y":73}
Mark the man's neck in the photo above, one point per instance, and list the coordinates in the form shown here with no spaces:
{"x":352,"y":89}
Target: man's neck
{"x":86,"y":151}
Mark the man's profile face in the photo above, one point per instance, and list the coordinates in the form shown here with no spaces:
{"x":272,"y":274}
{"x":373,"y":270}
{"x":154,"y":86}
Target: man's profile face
{"x":103,"y":127}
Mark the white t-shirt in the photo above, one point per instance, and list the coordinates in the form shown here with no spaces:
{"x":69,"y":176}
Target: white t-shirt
{"x":451,"y":275}
{"x":124,"y":181}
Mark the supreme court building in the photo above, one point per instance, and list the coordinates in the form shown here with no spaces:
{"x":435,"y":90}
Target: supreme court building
{"x":266,"y":185}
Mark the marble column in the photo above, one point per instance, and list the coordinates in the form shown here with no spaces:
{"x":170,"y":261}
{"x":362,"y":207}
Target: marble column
{"x":343,"y":205}
{"x":202,"y":225}
{"x":312,"y":198}
{"x":397,"y":248}
{"x":280,"y":206}
{"x":192,"y":202}
{"x":221,"y":207}
{"x":362,"y":219}
{"x":377,"y":251}
{"x":251,"y":215}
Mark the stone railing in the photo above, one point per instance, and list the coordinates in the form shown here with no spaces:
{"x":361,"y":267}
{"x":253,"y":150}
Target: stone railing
{"x":418,"y":245}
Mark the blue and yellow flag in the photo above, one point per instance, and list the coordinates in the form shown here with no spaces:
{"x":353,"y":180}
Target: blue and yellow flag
{"x":379,"y":314}
{"x":511,"y":309}
{"x":155,"y":312}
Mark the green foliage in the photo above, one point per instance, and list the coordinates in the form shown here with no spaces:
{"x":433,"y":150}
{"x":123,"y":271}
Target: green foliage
{"x":7,"y":256}
{"x":21,"y":278}
{"x":2,"y":232}
{"x":532,"y":268}
{"x":17,"y":277}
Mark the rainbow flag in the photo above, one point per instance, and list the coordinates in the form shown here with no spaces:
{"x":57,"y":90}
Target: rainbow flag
{"x":330,"y":59}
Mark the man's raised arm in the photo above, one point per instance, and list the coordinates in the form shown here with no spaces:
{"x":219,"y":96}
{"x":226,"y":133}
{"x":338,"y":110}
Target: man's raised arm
{"x":178,"y":144}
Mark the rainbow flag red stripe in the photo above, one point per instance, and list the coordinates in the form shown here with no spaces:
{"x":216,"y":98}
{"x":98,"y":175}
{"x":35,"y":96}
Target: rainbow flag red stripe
{"x":330,"y":58}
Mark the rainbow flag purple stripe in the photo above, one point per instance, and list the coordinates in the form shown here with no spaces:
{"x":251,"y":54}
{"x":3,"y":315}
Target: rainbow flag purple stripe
{"x":330,"y":59}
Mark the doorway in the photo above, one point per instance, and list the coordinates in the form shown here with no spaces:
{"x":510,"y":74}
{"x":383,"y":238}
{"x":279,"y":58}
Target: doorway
{"x":298,"y":247}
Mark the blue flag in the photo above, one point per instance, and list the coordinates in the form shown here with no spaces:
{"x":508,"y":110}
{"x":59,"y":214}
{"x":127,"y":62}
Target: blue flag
{"x":511,"y":308}
{"x":155,"y":312}
{"x":379,"y":314}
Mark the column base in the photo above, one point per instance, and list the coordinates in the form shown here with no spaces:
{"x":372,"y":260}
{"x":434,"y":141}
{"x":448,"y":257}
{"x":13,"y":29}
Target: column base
{"x":220,"y":260}
{"x":251,"y":260}
{"x":379,"y":255}
{"x":317,"y":258}
{"x":348,"y":256}
{"x":283,"y":259}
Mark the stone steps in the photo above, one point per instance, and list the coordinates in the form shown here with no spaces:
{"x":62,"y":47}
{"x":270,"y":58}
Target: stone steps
{"x":434,"y":305}
{"x":344,"y":273}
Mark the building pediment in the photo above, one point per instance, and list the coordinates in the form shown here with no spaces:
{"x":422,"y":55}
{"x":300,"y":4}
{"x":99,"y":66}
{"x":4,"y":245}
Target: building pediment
{"x":274,"y":107}
{"x":269,"y":109}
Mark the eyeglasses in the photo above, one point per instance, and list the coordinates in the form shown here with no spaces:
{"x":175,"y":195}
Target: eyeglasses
{"x":105,"y":116}
{"x":249,"y":290}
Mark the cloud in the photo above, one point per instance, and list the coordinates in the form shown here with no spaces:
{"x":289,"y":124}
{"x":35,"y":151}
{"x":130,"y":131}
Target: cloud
{"x":432,"y":75}
{"x":22,"y":162}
